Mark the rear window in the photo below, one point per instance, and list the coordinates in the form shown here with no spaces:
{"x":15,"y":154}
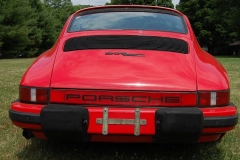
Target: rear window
{"x":128,"y":21}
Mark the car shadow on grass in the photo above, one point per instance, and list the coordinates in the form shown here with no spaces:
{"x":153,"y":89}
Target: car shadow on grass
{"x":41,"y":149}
{"x":227,"y":56}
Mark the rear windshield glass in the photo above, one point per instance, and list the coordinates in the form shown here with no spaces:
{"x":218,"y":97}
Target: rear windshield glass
{"x":128,"y":21}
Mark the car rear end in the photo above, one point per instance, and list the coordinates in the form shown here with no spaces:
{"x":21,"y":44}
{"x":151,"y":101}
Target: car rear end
{"x":118,"y":82}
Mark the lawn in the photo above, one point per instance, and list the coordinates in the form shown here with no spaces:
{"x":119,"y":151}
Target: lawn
{"x":14,"y":146}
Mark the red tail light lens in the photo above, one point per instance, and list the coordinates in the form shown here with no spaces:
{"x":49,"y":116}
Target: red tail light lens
{"x":33,"y":95}
{"x":214,"y":98}
{"x":204,"y":99}
{"x":24,"y":94}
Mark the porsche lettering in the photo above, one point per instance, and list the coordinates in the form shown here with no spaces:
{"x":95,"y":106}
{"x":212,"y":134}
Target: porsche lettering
{"x":118,"y":98}
{"x":124,"y":54}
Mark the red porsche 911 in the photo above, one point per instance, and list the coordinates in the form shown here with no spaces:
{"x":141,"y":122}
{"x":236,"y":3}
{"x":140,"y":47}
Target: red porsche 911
{"x":125,"y":74}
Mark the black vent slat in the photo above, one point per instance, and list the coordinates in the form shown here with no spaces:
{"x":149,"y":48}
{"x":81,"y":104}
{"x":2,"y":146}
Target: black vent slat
{"x":126,"y":42}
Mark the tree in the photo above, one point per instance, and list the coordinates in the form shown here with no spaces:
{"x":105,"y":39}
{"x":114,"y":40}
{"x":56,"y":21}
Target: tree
{"x":58,"y":3}
{"x":49,"y":29}
{"x":232,"y":8}
{"x":29,"y":27}
{"x":211,"y":27}
{"x":19,"y":34}
{"x":61,"y":10}
{"x":163,"y":3}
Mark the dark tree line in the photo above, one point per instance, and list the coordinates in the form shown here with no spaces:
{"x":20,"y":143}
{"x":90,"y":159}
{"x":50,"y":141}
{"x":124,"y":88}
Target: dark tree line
{"x":164,"y":3}
{"x":29,"y":27}
{"x":215,"y":22}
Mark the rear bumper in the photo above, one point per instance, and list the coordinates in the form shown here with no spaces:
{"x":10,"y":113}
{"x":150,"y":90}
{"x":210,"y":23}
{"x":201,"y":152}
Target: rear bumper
{"x":218,"y":122}
{"x":208,"y":124}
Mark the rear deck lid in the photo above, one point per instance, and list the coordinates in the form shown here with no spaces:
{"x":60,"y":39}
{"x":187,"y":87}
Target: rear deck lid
{"x":150,"y":63}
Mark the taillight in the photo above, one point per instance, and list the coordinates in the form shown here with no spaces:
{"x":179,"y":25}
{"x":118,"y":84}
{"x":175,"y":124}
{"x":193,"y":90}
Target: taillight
{"x":214,"y":98}
{"x":33,"y":94}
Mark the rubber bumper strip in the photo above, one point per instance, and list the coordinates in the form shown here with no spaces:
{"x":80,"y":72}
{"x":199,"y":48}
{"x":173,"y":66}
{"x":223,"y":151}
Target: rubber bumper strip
{"x":31,"y":118}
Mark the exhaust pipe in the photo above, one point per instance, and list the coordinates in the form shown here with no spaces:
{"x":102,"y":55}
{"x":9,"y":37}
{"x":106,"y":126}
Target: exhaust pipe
{"x":27,"y":134}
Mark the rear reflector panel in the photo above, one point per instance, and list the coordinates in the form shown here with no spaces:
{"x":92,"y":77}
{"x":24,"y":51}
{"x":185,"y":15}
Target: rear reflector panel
{"x":42,"y":95}
{"x":223,"y":98}
{"x":128,"y":98}
{"x":24,"y":94}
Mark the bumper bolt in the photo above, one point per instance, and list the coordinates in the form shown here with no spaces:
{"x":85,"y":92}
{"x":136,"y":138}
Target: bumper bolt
{"x":84,"y":122}
{"x":158,"y":124}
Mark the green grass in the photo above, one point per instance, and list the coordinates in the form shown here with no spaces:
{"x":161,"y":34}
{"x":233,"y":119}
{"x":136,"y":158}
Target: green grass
{"x":14,"y":146}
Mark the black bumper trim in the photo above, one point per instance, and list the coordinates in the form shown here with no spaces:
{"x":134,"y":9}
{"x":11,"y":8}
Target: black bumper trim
{"x":65,"y":122}
{"x":223,"y":121}
{"x":17,"y":100}
{"x":23,"y":117}
{"x":178,"y":125}
{"x":232,"y":105}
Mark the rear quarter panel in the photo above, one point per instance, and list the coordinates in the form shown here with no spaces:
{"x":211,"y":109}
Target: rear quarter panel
{"x":40,"y":72}
{"x":210,"y":73}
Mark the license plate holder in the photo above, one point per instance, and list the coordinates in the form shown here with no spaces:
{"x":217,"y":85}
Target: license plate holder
{"x":105,"y":121}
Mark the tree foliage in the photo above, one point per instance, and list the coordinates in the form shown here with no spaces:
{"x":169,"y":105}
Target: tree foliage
{"x":163,"y":3}
{"x":29,"y":27}
{"x":232,"y":9}
{"x":19,"y":31}
{"x":213,"y":22}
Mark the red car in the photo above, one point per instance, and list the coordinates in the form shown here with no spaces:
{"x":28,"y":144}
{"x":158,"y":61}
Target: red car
{"x":125,"y":74}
